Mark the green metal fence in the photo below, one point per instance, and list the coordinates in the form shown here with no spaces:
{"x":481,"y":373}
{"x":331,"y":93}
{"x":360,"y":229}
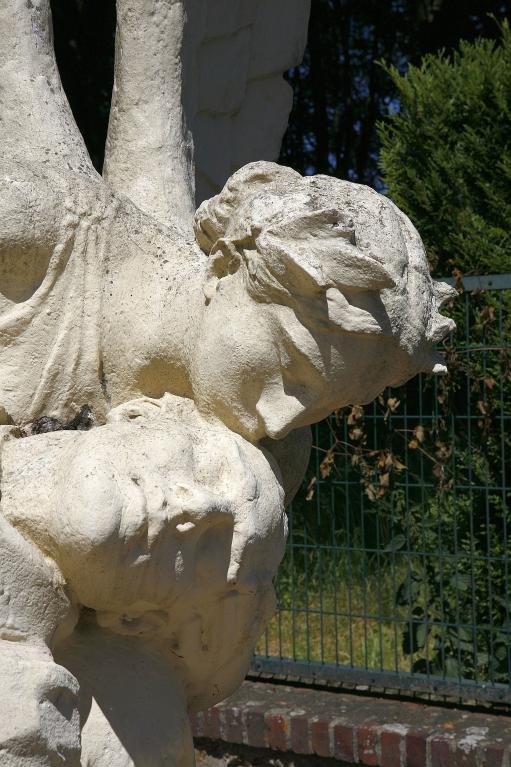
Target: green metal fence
{"x":397,"y":568}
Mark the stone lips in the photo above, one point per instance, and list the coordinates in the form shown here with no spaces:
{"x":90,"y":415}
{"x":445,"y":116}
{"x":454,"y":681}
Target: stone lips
{"x":332,"y":280}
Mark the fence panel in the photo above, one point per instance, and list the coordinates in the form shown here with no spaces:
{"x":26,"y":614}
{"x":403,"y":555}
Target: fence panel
{"x":397,"y":567}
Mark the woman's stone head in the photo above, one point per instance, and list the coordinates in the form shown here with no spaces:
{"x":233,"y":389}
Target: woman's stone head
{"x":319,"y":295}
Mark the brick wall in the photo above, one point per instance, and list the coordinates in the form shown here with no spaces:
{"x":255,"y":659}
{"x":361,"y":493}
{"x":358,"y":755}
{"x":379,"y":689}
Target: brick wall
{"x":353,"y":729}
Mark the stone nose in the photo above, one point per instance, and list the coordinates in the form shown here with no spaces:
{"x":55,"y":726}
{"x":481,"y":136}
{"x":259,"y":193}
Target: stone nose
{"x":182,"y":509}
{"x":440,"y":328}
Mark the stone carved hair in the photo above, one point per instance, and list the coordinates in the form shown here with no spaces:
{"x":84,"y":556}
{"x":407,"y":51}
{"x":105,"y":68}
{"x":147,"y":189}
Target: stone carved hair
{"x":297,"y":238}
{"x":268,"y":220}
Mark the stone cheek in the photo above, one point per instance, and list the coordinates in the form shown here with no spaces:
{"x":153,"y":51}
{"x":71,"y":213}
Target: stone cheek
{"x":138,"y":554}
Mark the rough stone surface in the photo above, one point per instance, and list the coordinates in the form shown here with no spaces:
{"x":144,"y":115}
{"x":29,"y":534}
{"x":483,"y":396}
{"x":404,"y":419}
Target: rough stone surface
{"x":167,"y":531}
{"x":268,"y":325}
{"x":160,"y":369}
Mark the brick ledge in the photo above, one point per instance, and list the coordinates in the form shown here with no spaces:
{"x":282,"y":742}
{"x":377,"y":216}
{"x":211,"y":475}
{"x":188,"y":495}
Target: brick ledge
{"x":371,"y":731}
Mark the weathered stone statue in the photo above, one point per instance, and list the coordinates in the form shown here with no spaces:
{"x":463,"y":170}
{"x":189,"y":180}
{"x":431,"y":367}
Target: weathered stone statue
{"x":160,"y":367}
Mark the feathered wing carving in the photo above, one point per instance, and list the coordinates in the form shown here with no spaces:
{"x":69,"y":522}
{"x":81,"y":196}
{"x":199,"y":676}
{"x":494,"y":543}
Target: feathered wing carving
{"x":243,"y":100}
{"x":199,"y":92}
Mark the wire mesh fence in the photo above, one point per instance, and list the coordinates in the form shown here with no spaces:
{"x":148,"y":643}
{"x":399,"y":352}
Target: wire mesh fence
{"x":397,"y":570}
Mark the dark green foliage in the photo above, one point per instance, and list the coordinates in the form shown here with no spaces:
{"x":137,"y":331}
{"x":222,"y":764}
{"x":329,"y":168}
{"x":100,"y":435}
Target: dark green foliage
{"x":413,"y":493}
{"x":341,"y":92}
{"x":418,"y":483}
{"x":446,"y":155}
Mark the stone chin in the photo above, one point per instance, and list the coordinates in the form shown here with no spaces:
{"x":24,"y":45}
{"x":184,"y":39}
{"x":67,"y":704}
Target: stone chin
{"x":208,"y":637}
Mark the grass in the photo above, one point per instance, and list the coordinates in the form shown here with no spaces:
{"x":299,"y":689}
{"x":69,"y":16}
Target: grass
{"x":336,"y":607}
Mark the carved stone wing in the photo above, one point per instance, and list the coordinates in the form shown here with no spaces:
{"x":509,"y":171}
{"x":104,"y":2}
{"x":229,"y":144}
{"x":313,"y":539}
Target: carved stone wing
{"x":243,"y":101}
{"x":199,"y":92}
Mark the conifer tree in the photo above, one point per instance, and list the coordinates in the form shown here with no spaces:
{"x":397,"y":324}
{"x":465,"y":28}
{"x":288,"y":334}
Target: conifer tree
{"x":446,"y":154}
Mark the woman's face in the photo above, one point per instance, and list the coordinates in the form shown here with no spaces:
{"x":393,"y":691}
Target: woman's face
{"x":327,"y":302}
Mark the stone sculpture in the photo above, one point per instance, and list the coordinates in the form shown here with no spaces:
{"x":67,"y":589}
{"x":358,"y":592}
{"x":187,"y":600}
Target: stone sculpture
{"x":169,"y":529}
{"x":160,"y":367}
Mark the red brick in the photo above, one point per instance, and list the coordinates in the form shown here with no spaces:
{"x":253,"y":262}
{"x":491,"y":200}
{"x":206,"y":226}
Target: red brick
{"x":441,"y":752}
{"x":390,"y":748}
{"x":232,"y":730}
{"x":299,"y":734}
{"x":415,"y":749}
{"x":367,"y":739}
{"x":493,"y":756}
{"x":343,"y":742}
{"x":462,"y":758}
{"x":211,"y":724}
{"x":196,"y":724}
{"x":278,"y":727}
{"x":255,"y":727}
{"x":320,"y":738}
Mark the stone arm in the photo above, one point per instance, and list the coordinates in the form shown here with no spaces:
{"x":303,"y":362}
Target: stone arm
{"x":91,"y":313}
{"x":39,"y":141}
{"x":39,"y":721}
{"x":148,"y":154}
